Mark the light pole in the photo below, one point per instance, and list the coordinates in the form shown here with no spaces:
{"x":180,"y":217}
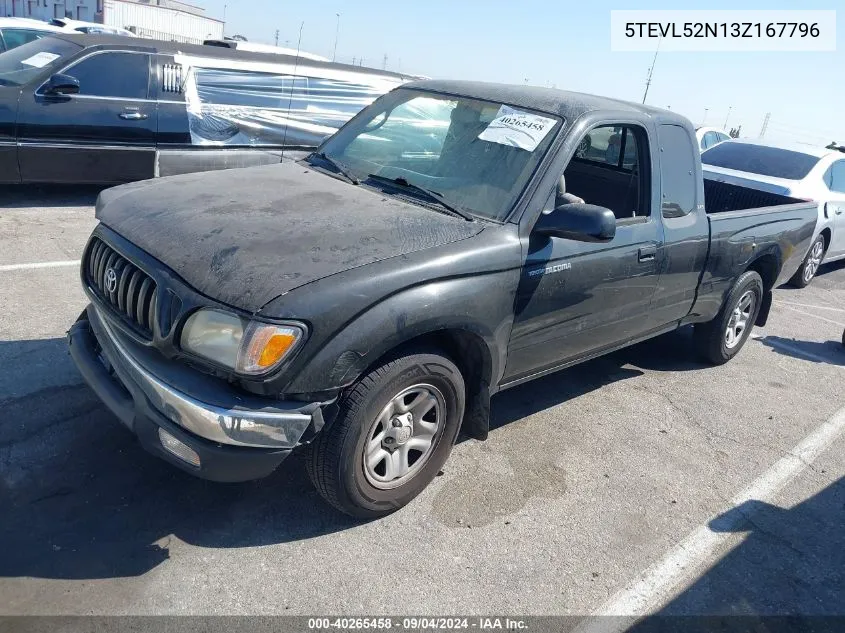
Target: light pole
{"x":336,"y":33}
{"x":651,"y":70}
{"x":725,"y":126}
{"x":704,"y":120}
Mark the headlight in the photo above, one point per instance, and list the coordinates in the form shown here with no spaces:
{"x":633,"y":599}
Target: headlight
{"x":248,"y":347}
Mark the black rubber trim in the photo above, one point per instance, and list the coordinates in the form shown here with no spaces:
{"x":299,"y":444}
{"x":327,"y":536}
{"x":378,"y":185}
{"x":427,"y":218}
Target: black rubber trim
{"x":82,"y":350}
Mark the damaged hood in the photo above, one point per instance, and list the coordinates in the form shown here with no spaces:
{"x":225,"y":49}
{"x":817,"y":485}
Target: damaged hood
{"x":246,"y":236}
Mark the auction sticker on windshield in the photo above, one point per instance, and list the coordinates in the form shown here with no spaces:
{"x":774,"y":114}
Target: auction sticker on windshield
{"x":517,"y":128}
{"x":39,"y":60}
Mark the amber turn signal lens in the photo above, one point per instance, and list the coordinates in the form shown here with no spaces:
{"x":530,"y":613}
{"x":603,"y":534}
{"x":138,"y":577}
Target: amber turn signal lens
{"x":275,"y":349}
{"x":266,"y":346}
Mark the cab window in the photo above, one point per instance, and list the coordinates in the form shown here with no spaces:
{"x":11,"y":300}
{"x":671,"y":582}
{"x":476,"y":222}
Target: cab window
{"x":610,"y":169}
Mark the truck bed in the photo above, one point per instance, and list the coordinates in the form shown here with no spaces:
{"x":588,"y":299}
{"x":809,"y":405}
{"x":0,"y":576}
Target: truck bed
{"x":720,"y":197}
{"x":777,"y":239}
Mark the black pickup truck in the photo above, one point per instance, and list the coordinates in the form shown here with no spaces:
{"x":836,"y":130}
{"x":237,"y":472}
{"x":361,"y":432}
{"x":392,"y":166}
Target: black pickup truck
{"x":449,"y":242}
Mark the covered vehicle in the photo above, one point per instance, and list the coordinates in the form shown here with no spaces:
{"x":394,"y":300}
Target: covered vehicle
{"x":363,"y":304}
{"x":772,"y":173}
{"x":111,"y":109}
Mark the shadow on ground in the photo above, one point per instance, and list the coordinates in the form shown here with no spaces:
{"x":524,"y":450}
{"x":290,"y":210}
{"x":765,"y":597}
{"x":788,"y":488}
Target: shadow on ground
{"x":24,"y":196}
{"x":831,"y":352}
{"x":791,"y":563}
{"x":671,"y":352}
{"x":82,"y":500}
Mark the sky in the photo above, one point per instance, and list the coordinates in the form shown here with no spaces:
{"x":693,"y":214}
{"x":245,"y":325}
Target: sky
{"x":566,"y":45}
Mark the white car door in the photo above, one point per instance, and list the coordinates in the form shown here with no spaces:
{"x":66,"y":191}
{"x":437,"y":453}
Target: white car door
{"x":835,"y":181}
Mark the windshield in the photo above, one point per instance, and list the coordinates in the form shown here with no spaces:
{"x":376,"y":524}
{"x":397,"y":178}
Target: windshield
{"x":21,"y":64}
{"x":760,"y":159}
{"x":475,"y":155}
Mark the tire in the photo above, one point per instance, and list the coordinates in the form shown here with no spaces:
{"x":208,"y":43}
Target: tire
{"x":805,"y":274}
{"x":712,"y":340}
{"x":375,"y":407}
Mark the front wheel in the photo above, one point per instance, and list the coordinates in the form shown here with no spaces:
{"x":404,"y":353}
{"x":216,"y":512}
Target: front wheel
{"x":394,"y":432}
{"x":810,"y":265}
{"x":720,"y":340}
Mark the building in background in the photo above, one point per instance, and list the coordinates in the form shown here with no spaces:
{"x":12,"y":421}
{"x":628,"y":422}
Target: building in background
{"x":169,"y":20}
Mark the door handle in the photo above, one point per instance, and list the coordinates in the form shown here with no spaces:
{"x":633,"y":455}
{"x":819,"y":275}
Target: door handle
{"x":133,"y":116}
{"x":647,"y":254}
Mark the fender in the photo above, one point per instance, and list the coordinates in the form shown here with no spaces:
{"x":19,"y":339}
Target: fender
{"x":481,"y":305}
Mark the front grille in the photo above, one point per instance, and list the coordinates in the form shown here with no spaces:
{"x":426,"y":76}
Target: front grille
{"x":130,"y":291}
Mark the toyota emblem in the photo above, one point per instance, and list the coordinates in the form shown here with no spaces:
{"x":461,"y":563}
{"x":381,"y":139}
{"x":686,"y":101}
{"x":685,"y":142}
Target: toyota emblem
{"x":111,"y":280}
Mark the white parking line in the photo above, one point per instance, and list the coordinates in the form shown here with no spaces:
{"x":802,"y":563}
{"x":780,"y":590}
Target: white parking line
{"x":658,"y":584}
{"x":814,"y":316}
{"x":62,"y":264}
{"x":807,"y":305}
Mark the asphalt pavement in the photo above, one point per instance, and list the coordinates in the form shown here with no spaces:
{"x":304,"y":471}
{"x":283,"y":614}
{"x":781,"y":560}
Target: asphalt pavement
{"x":643,"y":480}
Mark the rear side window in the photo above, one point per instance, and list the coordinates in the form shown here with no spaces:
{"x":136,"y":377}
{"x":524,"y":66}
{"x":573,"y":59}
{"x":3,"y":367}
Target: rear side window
{"x":677,"y":171}
{"x":118,"y":74}
{"x":836,"y":177}
{"x":760,"y":159}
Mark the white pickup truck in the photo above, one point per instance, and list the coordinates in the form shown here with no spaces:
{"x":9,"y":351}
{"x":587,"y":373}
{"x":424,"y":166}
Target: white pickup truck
{"x":798,"y":171}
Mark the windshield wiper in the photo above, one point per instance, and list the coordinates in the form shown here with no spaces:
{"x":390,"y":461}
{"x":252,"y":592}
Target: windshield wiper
{"x":427,"y":194}
{"x":342,"y":169}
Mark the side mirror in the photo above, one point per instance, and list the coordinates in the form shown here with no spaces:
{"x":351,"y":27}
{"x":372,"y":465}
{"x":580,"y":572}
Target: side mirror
{"x":60,"y":84}
{"x":578,"y":221}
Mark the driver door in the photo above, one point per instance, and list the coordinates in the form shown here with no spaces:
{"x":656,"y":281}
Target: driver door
{"x":575,"y":298}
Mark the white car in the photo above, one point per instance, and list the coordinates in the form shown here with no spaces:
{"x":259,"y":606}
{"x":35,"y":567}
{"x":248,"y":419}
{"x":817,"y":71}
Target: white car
{"x":17,"y":31}
{"x":92,"y":28}
{"x":707,"y":137}
{"x":254,"y":47}
{"x":799,"y":171}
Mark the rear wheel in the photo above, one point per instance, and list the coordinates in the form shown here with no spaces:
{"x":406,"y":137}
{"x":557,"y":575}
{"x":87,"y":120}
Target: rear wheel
{"x":721,"y":339}
{"x":805,"y":274}
{"x":394,"y":432}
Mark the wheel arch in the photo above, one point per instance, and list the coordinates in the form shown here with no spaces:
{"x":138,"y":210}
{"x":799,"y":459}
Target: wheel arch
{"x":474,"y":358}
{"x":827,"y":234}
{"x":768,"y":266}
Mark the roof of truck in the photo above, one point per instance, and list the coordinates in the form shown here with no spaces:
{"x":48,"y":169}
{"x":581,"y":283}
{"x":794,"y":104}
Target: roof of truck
{"x":215,"y":52}
{"x":564,"y":103}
